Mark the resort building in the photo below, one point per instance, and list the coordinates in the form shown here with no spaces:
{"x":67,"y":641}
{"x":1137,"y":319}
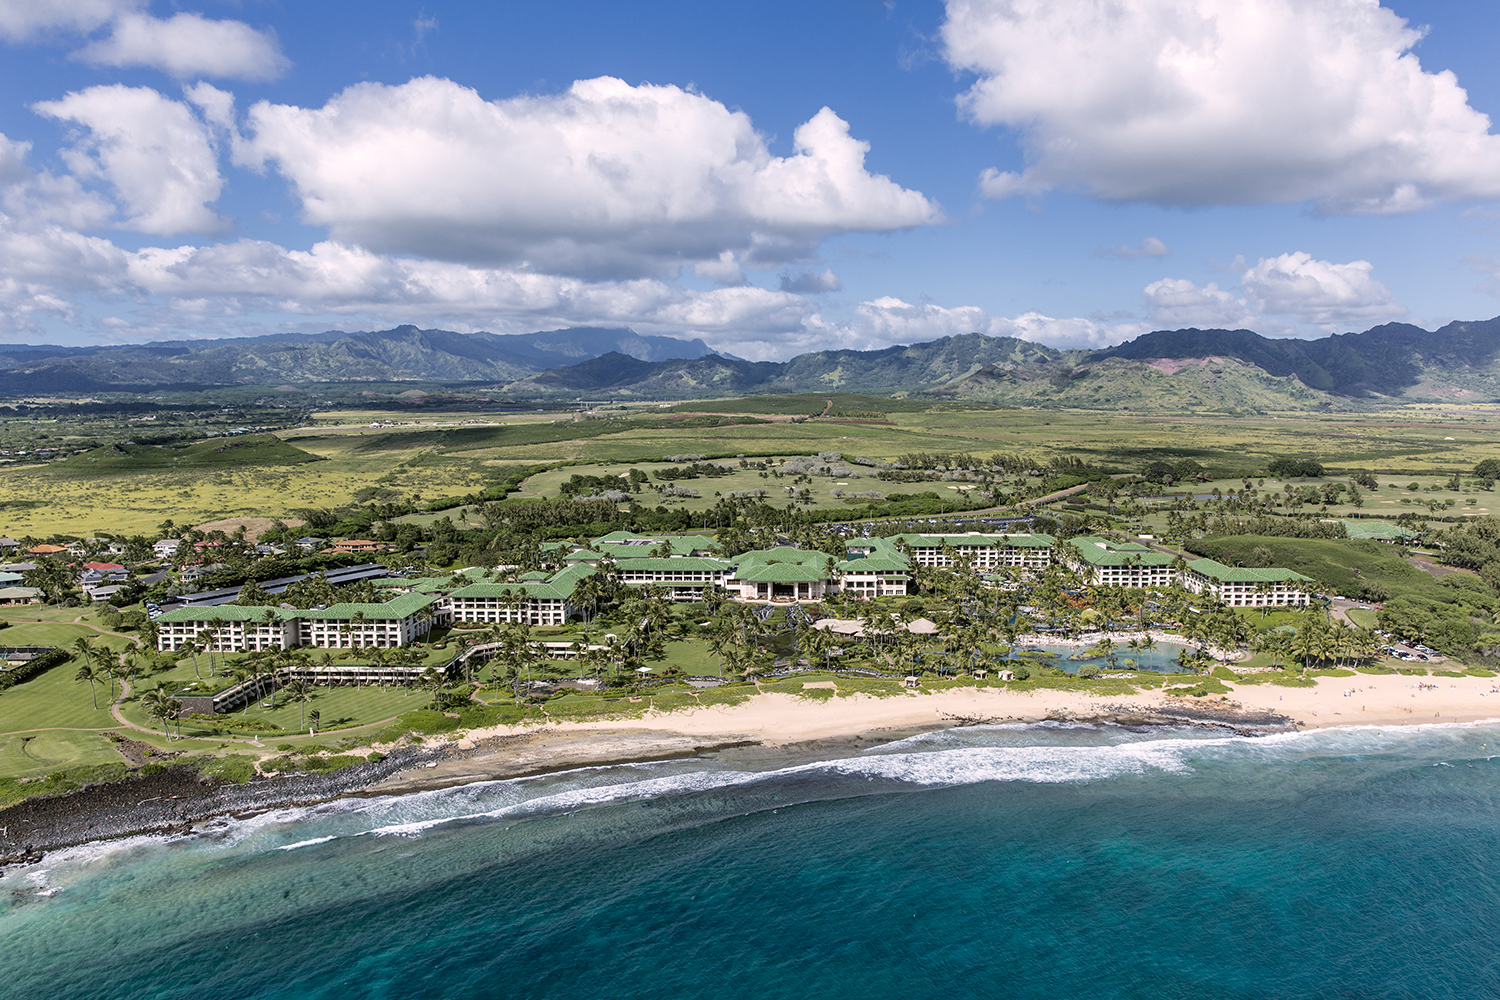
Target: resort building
{"x":874,"y":568}
{"x":782,"y":574}
{"x":980,"y":550}
{"x":1107,"y":563}
{"x":535,"y":599}
{"x":1244,"y":587}
{"x":231,"y":628}
{"x":684,"y":577}
{"x":227,"y":628}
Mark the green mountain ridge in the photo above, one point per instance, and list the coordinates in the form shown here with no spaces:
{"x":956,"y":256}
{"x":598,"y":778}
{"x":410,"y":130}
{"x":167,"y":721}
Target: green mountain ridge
{"x":405,"y":353}
{"x":1178,"y":369}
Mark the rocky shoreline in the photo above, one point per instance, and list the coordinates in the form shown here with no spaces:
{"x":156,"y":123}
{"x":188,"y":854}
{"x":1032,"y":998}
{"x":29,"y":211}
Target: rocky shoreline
{"x":172,"y":801}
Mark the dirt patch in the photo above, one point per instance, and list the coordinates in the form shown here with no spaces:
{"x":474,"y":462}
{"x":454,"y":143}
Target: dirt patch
{"x":1171,"y":366}
{"x":254,"y":526}
{"x":137,"y":753}
{"x":1434,"y":569}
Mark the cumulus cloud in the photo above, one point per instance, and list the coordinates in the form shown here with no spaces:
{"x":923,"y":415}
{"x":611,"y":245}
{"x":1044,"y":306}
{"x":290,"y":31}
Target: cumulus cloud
{"x":22,"y":20}
{"x":152,"y":150}
{"x":1177,"y":302}
{"x":1319,"y":292}
{"x":1149,"y":246}
{"x":604,"y":180}
{"x":1293,"y":286}
{"x":888,"y":321}
{"x":188,"y":46}
{"x":1205,"y":102}
{"x":811,"y":282}
{"x":41,"y":198}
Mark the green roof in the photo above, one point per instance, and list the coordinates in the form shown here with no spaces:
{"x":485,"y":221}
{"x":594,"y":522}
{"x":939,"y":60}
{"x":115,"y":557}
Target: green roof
{"x":1104,"y":552}
{"x":1383,"y":531}
{"x":397,"y":607}
{"x":680,"y":564}
{"x":617,"y":543}
{"x":783,"y":564}
{"x":559,"y":587}
{"x":1000,"y":540}
{"x":225,"y":613}
{"x":1216,"y":570}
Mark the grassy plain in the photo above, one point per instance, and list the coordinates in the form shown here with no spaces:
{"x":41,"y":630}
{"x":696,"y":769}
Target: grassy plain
{"x":452,"y":454}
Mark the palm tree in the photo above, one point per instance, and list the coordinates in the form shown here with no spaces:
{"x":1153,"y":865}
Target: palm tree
{"x":299,"y":691}
{"x":86,"y":672}
{"x":431,"y":678}
{"x":1148,"y":645}
{"x":160,"y":705}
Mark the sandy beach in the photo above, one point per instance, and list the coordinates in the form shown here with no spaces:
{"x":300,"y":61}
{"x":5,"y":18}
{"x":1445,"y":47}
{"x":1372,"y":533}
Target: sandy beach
{"x":782,"y":720}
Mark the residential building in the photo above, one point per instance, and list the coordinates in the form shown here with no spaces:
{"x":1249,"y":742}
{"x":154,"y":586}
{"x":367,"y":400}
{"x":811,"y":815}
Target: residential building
{"x":1105,"y":562}
{"x":20,"y":595}
{"x":1247,"y":587}
{"x":166,"y":548}
{"x":359,"y":545}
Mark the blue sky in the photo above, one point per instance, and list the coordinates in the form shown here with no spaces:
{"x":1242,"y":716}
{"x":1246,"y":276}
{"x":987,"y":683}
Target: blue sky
{"x":772,"y":178}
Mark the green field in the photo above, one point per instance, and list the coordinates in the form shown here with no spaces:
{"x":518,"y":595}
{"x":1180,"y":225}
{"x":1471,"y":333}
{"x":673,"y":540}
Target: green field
{"x":454,"y":454}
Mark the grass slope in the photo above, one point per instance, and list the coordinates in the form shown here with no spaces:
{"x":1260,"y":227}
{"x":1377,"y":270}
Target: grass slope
{"x":214,"y":454}
{"x":1346,"y":566}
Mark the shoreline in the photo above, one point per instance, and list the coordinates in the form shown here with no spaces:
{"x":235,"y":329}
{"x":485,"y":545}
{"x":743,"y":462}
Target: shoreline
{"x":768,"y":730}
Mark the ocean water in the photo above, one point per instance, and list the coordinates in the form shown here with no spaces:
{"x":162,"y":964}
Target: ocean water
{"x":1009,"y":861}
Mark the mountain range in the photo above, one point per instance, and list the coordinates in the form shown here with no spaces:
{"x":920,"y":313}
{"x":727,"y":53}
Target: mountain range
{"x":1188,"y":369}
{"x":403,"y":354}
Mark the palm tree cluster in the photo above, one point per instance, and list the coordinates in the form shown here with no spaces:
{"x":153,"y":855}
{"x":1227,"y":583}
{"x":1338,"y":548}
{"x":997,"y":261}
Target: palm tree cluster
{"x":1314,"y":642}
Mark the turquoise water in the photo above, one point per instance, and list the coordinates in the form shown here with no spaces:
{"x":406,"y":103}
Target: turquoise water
{"x":1017,"y":862}
{"x":1162,"y":658}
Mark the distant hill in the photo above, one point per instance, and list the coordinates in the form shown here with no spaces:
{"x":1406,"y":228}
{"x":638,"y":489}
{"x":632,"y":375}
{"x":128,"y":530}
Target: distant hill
{"x":403,"y":354}
{"x":1180,"y":369}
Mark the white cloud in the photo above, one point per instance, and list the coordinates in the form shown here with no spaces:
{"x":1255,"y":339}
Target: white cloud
{"x":1202,"y":102}
{"x":725,"y":270}
{"x":1149,"y":246}
{"x":157,"y":156}
{"x":605,"y":179}
{"x":1178,"y":303}
{"x":22,"y":20}
{"x":888,"y":321}
{"x":1319,"y":292}
{"x":1295,"y":286}
{"x":811,"y":282}
{"x":188,"y":46}
{"x":42,"y":198}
